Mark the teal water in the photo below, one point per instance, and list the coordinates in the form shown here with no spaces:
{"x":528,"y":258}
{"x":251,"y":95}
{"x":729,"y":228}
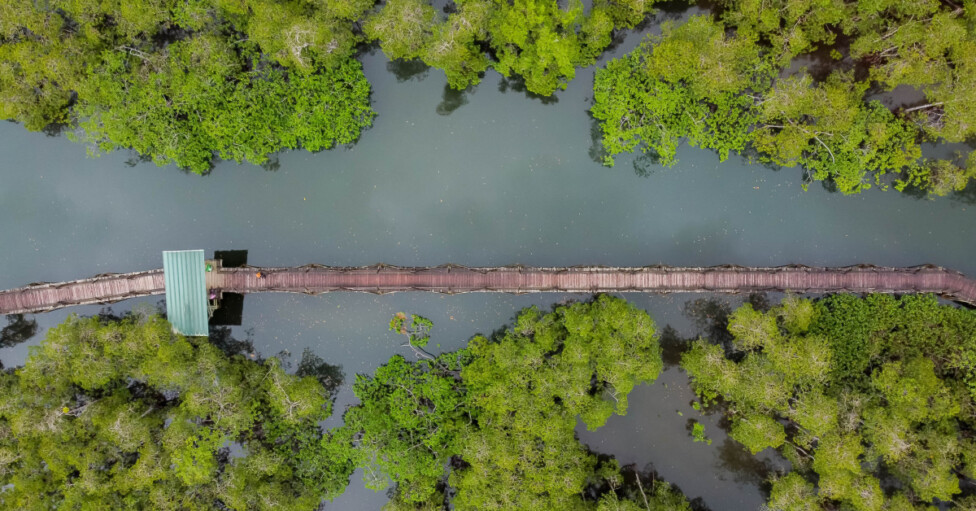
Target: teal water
{"x":503,"y":178}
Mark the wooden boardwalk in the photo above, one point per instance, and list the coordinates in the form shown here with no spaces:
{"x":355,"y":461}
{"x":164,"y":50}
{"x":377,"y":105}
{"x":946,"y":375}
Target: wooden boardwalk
{"x":315,"y":279}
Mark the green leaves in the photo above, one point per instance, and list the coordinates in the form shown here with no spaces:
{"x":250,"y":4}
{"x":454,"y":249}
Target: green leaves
{"x":407,"y":425}
{"x":758,"y":432}
{"x":190,"y":113}
{"x":186,"y":83}
{"x":833,"y":134}
{"x":734,"y":93}
{"x":683,"y":84}
{"x":529,"y":386}
{"x":135,"y":417}
{"x":500,"y":415}
{"x":849,"y":389}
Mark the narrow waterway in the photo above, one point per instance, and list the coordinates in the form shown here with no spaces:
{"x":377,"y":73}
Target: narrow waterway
{"x":487,"y":177}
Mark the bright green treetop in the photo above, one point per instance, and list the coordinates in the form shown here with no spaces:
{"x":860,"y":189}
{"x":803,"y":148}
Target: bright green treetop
{"x":127,"y":415}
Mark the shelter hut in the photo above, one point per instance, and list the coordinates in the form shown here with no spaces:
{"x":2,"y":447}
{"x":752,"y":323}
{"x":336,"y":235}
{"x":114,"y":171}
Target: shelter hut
{"x":185,"y":276}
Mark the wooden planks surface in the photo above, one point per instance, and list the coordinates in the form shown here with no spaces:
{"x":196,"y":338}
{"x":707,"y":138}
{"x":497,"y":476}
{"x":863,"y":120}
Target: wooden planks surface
{"x":105,"y":288}
{"x":314,"y":279}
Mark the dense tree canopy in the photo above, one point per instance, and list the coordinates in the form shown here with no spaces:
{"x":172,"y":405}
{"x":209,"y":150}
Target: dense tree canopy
{"x":127,"y":415}
{"x":731,"y":90}
{"x":120,"y":413}
{"x":184,"y":82}
{"x":188,"y":82}
{"x":851,"y":391}
{"x":873,"y":401}
{"x":500,"y":415}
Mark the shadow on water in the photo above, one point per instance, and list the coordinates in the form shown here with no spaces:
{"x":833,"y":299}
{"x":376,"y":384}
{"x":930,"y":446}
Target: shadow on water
{"x":330,"y":376}
{"x":222,"y":337}
{"x":711,"y":319}
{"x":636,"y":483}
{"x":406,"y":70}
{"x":745,"y":468}
{"x":672,"y":346}
{"x":710,"y":316}
{"x":671,"y":10}
{"x":517,"y":84}
{"x":452,"y":99}
{"x":596,"y":152}
{"x":967,"y":196}
{"x":19,"y":329}
{"x":271,"y":164}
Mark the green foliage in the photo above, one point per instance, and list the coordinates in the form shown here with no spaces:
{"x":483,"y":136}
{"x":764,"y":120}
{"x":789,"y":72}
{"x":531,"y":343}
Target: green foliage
{"x":112,"y":415}
{"x":734,"y":92}
{"x":698,"y":433}
{"x":833,"y":133}
{"x":849,"y":389}
{"x":662,"y":498}
{"x":408,"y":424}
{"x":183,"y":116}
{"x":683,"y":84}
{"x":757,"y":432}
{"x":864,"y":332}
{"x":403,"y":27}
{"x":496,"y":421}
{"x":792,"y":493}
{"x":529,"y":386}
{"x":417,"y":332}
{"x":941,"y":177}
{"x":541,"y":42}
{"x":454,"y":44}
{"x":184,"y":82}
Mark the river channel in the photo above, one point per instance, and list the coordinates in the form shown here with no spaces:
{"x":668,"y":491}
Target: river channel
{"x":488,"y":177}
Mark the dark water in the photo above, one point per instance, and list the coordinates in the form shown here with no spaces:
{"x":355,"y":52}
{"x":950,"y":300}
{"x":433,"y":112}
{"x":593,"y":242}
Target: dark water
{"x":489,"y":177}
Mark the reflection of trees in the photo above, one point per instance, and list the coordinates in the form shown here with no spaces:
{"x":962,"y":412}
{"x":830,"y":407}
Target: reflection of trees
{"x":18,"y":330}
{"x":648,"y":478}
{"x":330,"y":376}
{"x":711,"y":318}
{"x":221,"y":337}
{"x":517,"y":84}
{"x":404,"y":70}
{"x":452,"y":99}
{"x":744,"y":467}
{"x":759,"y":301}
{"x":672,"y":346}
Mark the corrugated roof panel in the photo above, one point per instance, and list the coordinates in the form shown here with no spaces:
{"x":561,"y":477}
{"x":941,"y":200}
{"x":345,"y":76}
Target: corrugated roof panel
{"x":186,"y":291}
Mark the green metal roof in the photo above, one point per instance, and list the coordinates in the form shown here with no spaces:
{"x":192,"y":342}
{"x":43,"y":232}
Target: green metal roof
{"x":185,"y":275}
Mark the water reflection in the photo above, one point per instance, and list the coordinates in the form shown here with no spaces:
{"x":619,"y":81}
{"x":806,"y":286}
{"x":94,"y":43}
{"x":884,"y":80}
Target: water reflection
{"x":711,"y":317}
{"x":19,"y":329}
{"x":596,"y":152}
{"x":330,"y":376}
{"x":452,"y":99}
{"x":272,"y":164}
{"x":745,"y":468}
{"x":517,"y":84}
{"x":967,"y":196}
{"x":223,"y":338}
{"x":406,"y":70}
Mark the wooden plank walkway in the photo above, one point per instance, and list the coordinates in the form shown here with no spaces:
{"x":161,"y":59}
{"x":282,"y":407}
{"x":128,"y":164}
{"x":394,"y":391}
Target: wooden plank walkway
{"x":381,"y":279}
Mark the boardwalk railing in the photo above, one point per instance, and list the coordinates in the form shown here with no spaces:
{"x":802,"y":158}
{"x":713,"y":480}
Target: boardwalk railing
{"x":381,"y":279}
